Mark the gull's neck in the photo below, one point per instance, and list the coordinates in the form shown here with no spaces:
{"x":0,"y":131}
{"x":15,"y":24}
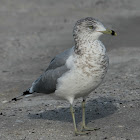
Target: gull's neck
{"x":84,"y":41}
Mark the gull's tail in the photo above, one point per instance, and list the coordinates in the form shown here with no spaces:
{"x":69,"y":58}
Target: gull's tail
{"x":27,"y":92}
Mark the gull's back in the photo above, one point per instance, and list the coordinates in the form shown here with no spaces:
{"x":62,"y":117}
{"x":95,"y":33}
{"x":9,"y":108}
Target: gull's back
{"x":47,"y":82}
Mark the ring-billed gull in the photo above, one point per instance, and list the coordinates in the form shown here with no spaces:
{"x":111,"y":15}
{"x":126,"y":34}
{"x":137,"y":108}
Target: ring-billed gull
{"x":77,"y":71}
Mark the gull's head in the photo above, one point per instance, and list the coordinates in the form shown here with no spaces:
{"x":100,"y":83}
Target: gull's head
{"x":90,"y":29}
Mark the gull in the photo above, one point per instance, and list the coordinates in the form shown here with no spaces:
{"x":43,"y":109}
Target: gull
{"x":77,"y":71}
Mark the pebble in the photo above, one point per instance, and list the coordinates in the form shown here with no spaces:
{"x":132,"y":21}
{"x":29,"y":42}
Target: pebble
{"x":5,"y":101}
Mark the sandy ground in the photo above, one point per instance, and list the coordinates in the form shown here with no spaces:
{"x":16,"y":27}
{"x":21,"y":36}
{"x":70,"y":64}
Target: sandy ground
{"x":31,"y":33}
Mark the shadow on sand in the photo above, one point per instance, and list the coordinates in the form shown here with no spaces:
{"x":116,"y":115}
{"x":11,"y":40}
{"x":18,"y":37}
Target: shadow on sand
{"x":95,"y":109}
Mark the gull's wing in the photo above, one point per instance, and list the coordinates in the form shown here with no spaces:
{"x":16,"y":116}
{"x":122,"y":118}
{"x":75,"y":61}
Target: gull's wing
{"x":47,"y":82}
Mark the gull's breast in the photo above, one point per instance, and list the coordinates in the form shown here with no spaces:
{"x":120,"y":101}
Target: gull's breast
{"x":85,"y":74}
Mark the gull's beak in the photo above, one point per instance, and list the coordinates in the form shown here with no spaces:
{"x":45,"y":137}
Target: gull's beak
{"x":107,"y":31}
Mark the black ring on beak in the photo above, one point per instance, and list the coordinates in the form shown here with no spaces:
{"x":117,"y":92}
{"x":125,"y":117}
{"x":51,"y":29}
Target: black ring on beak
{"x":113,"y":33}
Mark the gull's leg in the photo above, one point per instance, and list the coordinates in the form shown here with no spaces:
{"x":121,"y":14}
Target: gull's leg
{"x":75,"y":128}
{"x":84,"y":127}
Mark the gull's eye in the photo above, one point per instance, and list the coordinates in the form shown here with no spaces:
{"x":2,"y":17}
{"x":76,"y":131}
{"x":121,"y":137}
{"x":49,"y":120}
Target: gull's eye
{"x":91,"y":27}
